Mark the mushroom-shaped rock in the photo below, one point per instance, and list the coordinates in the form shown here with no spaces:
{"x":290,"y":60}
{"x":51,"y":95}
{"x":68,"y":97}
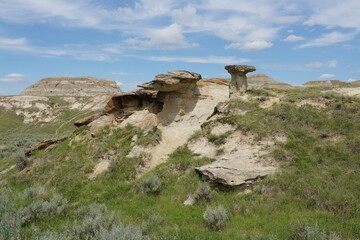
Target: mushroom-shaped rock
{"x":238,"y":84}
{"x":172,"y":81}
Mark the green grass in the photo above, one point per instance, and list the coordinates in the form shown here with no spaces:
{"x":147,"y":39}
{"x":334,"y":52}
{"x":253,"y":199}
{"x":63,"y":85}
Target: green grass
{"x":318,"y":182}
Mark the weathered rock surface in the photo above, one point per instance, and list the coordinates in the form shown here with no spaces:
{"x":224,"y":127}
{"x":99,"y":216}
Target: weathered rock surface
{"x":67,"y":86}
{"x":183,"y":111}
{"x":43,"y":145}
{"x":133,"y":101}
{"x":240,"y":161}
{"x":238,"y":84}
{"x":86,"y":120}
{"x":172,"y":81}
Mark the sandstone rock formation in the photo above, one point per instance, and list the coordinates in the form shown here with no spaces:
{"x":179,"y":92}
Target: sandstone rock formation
{"x":77,"y":86}
{"x":172,"y":81}
{"x":50,"y":97}
{"x":177,"y":103}
{"x":241,"y":160}
{"x":238,"y":84}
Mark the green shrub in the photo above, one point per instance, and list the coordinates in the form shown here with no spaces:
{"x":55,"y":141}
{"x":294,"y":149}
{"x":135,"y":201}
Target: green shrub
{"x":35,"y":191}
{"x":120,"y":232}
{"x":196,"y":135}
{"x":151,"y":184}
{"x":217,"y":139}
{"x":47,"y":235}
{"x":216,"y":218}
{"x":20,"y":160}
{"x":100,"y":224}
{"x":42,"y":209}
{"x":315,"y":233}
{"x":95,"y":217}
{"x":152,"y":137}
{"x":203,"y":192}
{"x":10,"y":224}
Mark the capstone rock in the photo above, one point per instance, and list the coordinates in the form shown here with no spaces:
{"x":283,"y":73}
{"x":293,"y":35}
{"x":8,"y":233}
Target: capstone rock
{"x":238,"y":84}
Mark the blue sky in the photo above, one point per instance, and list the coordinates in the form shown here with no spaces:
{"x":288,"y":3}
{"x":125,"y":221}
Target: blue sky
{"x":132,"y":41}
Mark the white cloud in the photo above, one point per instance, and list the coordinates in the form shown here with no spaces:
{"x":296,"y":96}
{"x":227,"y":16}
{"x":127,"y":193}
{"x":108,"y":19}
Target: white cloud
{"x":210,"y":60}
{"x":329,"y":39}
{"x":17,"y":44}
{"x":293,"y":38}
{"x":170,"y":37}
{"x":12,"y":78}
{"x":314,"y":65}
{"x":329,"y":64}
{"x":250,"y":46}
{"x":334,"y":13}
{"x":145,"y":24}
{"x":327,"y":76}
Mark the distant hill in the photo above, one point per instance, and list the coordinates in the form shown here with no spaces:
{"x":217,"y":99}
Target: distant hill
{"x":68,"y":86}
{"x":262,"y":80}
{"x":256,"y":81}
{"x":327,"y":83}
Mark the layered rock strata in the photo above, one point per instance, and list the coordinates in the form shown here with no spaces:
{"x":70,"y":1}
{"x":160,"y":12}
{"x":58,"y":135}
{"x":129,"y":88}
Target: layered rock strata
{"x":238,"y":84}
{"x":67,"y":86}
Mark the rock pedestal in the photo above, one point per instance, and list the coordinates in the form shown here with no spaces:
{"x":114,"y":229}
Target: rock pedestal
{"x":238,"y":84}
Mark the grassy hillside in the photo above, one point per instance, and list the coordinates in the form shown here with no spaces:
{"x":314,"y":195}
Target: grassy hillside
{"x":315,"y":195}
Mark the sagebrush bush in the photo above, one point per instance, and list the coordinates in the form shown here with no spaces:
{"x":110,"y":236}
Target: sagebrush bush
{"x":120,"y":232}
{"x":10,"y":224}
{"x":216,"y":218}
{"x":95,"y":217}
{"x":48,"y":235}
{"x":203,"y":192}
{"x":20,"y":160}
{"x":98,"y":223}
{"x":316,"y":233}
{"x":35,"y":191}
{"x":42,"y":209}
{"x":151,"y":184}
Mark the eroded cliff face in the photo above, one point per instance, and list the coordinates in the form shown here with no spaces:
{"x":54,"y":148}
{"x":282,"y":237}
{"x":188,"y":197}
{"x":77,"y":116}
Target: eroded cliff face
{"x":72,"y":87}
{"x":48,"y":98}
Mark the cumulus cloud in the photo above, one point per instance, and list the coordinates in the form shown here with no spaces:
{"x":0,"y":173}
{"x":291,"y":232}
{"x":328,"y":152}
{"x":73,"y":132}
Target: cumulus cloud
{"x":170,"y":37}
{"x":329,"y":39}
{"x":12,"y":78}
{"x":334,"y":13}
{"x":224,"y":60}
{"x":250,"y":46}
{"x":327,"y":76}
{"x":293,"y":38}
{"x":146,"y":24}
{"x":19,"y":44}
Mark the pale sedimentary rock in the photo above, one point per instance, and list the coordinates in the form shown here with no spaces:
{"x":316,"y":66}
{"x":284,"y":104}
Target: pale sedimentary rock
{"x":238,"y":84}
{"x":72,"y":86}
{"x":172,"y":81}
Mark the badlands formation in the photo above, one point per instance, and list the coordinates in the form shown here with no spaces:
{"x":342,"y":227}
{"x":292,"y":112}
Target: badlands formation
{"x":44,"y":101}
{"x":178,"y":104}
